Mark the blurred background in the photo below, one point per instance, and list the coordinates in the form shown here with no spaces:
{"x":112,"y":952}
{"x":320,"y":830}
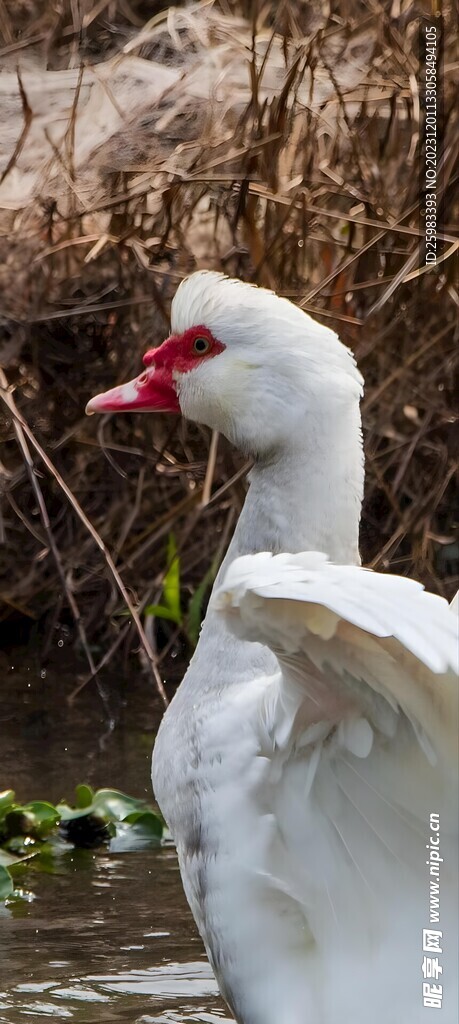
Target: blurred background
{"x":282,"y":143}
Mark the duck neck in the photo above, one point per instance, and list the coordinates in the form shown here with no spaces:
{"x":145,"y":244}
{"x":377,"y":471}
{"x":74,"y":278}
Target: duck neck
{"x":308,"y":497}
{"x":304,"y":498}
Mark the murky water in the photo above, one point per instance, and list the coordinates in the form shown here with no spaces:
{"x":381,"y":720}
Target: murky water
{"x":109,"y":937}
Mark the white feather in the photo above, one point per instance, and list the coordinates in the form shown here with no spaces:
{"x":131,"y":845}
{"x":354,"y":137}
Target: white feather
{"x":303,"y":603}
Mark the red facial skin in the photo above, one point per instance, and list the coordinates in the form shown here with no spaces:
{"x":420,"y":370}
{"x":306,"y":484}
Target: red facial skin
{"x":154,"y":390}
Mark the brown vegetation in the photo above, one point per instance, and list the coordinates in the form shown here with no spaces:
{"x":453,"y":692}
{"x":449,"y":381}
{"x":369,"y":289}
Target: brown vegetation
{"x":282,"y":144}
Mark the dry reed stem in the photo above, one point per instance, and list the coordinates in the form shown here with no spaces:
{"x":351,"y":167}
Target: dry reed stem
{"x":259,"y":157}
{"x":21,"y":428}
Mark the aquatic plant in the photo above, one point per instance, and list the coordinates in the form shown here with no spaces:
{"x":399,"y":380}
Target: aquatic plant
{"x":37,"y":833}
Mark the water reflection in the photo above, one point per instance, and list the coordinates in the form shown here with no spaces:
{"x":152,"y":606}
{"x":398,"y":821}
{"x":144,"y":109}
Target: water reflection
{"x":174,"y":982}
{"x":122,"y":951}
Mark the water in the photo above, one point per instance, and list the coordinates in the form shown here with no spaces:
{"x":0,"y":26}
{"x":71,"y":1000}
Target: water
{"x":109,"y":937}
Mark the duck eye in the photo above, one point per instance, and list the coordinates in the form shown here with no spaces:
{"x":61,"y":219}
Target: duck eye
{"x":201,"y":345}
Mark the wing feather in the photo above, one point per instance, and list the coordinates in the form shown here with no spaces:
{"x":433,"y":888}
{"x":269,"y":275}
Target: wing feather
{"x":384,"y":633}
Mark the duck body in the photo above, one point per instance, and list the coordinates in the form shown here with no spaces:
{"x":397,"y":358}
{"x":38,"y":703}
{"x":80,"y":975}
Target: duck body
{"x":302,"y":853}
{"x":315,"y":732}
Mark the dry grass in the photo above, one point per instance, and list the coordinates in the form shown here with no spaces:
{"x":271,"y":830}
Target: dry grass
{"x":278,"y":144}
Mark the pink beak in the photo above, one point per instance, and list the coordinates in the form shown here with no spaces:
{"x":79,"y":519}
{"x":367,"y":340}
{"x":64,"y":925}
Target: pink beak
{"x":152,"y":391}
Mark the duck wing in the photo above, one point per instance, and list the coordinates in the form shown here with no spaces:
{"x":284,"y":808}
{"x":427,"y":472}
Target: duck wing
{"x":361,"y":635}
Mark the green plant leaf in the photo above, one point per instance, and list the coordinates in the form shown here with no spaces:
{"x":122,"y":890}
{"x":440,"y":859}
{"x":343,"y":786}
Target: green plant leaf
{"x":8,"y":859}
{"x":160,"y":611}
{"x":114,"y":805}
{"x":145,"y":821}
{"x":84,"y":795}
{"x":44,"y":817}
{"x":67,"y":813}
{"x":6,"y":801}
{"x":107,"y":804}
{"x":139,"y":831}
{"x":22,"y":848}
{"x":35,"y":819}
{"x":30,"y":832}
{"x":6,"y":883}
{"x":169,"y":607}
{"x":171,"y":588}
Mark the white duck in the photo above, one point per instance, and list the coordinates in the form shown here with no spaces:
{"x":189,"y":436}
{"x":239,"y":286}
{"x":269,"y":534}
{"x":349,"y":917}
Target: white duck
{"x":315,"y":731}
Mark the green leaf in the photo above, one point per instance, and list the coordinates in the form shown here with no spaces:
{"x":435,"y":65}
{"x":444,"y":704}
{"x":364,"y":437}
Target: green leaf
{"x":84,"y":795}
{"x":6,"y":801}
{"x":44,"y":816}
{"x":115,"y":805}
{"x":6,"y":883}
{"x":22,"y":854}
{"x":7,"y":859}
{"x":161,"y":612}
{"x":67,"y":813}
{"x":31,"y":838}
{"x":171,"y":590}
{"x":35,"y":819}
{"x":139,"y":831}
{"x":169,"y":607}
{"x":6,"y":796}
{"x":146,"y":822}
{"x":108,"y":804}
